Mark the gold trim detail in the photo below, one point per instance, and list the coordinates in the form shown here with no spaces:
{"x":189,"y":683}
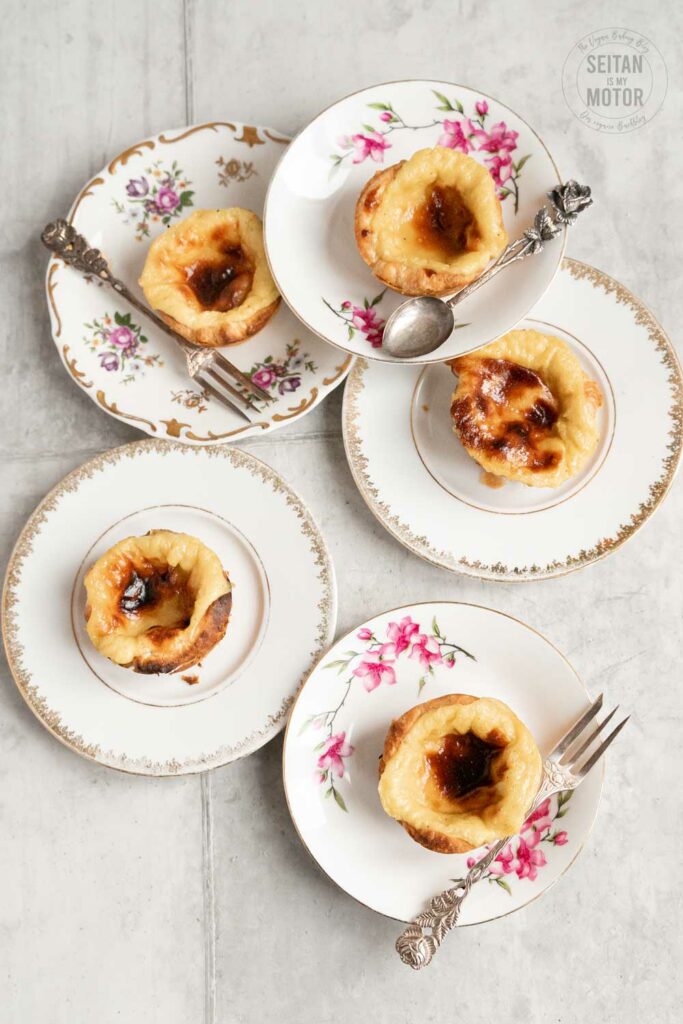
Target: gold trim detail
{"x":114,"y":409}
{"x":213,"y":125}
{"x":251,"y":136}
{"x":124,"y":157}
{"x":304,"y":404}
{"x":339,"y":370}
{"x":421,"y":545}
{"x":282,"y":140}
{"x":72,"y":367}
{"x":30,"y":689}
{"x":174,"y":429}
{"x":86,"y":191}
{"x":51,"y":285}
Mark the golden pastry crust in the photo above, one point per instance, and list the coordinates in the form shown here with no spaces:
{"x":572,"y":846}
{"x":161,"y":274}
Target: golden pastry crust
{"x":157,"y":603}
{"x":208,"y":277}
{"x":458,"y":772}
{"x":431,"y":224}
{"x":524,"y":409}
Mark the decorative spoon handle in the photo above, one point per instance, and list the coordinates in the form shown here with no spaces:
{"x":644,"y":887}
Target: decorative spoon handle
{"x":567,"y":202}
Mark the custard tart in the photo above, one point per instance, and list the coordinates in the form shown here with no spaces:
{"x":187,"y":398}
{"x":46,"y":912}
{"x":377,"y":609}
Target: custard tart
{"x":431,"y":224}
{"x":458,"y":772}
{"x":208,"y":277}
{"x":524,"y":409}
{"x":157,"y":603}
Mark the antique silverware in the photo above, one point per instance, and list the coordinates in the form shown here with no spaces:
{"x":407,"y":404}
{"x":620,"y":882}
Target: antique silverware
{"x":420,"y":325}
{"x":565,"y":768}
{"x":206,"y":365}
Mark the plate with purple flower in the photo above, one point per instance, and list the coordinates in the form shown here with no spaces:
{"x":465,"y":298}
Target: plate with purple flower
{"x":336,"y":733}
{"x":128,"y":367}
{"x":313,"y":193}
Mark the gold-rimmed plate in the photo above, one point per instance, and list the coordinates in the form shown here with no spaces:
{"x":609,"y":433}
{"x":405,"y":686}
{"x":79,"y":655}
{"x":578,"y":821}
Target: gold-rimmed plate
{"x":423,"y":487}
{"x":233,"y":702}
{"x":126,"y":365}
{"x":336,"y":733}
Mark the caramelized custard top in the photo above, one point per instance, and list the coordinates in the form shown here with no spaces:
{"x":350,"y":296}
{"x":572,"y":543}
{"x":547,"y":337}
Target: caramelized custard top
{"x":506,"y":411}
{"x":443,"y":223}
{"x":223,"y":285}
{"x":461,"y":764}
{"x":155,"y":592}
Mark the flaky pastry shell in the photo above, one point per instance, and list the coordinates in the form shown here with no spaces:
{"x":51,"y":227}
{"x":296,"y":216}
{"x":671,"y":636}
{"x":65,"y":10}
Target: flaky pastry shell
{"x":157,"y":603}
{"x":524,"y":409}
{"x":208,"y":277}
{"x":431,"y":224}
{"x":432,"y":815}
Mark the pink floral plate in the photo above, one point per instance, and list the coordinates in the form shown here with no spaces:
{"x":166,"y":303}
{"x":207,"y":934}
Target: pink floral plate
{"x":313,"y":194}
{"x":336,"y":733}
{"x":128,"y":367}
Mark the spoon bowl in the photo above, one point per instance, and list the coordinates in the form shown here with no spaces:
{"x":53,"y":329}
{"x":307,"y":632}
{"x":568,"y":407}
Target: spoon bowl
{"x":417,"y":327}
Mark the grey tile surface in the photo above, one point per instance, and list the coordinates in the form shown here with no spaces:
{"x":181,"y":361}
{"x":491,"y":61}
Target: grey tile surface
{"x":130,"y":899}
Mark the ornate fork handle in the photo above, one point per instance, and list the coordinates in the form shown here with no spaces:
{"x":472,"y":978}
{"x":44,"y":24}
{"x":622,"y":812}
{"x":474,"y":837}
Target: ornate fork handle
{"x":64,"y":241}
{"x":566,"y":202}
{"x":419,"y":942}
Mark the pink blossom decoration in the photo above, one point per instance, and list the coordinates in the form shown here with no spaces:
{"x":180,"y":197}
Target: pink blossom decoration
{"x":453,"y":137}
{"x":386,"y":116}
{"x":364,"y":634}
{"x":401,"y":633}
{"x":481,"y":107}
{"x":372,"y":144}
{"x":167,"y":199}
{"x":499,"y":137}
{"x":371,"y":325}
{"x":426,"y":649}
{"x":560,"y":838}
{"x":374,"y":669}
{"x":264,"y":377}
{"x":335,"y":749}
{"x":500,"y":168}
{"x":124,"y":338}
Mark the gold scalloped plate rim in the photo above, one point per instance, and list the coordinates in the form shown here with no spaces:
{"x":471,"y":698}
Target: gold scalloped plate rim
{"x":658,"y":490}
{"x":30,"y":690}
{"x":317,"y":393}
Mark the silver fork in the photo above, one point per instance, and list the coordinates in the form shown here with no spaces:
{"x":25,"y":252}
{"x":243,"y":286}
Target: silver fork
{"x":213,"y":371}
{"x":565,"y":768}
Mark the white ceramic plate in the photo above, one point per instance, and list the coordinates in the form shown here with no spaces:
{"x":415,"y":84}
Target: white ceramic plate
{"x":127,"y":366}
{"x":336,"y":733}
{"x":233,"y":702}
{"x":423,"y":487}
{"x":313,"y":194}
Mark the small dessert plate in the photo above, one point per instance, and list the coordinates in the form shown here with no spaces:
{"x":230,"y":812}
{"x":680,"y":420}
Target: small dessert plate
{"x":233,"y":702}
{"x":123,"y":362}
{"x":336,"y":733}
{"x":312,"y":198}
{"x":426,"y":490}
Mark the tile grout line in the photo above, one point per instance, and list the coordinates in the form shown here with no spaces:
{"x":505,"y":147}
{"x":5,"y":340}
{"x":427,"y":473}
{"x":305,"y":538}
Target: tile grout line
{"x":209,"y":901}
{"x":208,"y":888}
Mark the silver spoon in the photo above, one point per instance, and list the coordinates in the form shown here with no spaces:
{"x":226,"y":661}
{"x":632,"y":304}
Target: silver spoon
{"x":422,"y":324}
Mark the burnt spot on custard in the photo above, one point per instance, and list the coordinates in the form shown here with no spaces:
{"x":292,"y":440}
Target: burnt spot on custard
{"x":506,"y":411}
{"x":371,"y":200}
{"x":463,"y":762}
{"x":444,"y":225}
{"x":149,"y":589}
{"x":223,"y":284}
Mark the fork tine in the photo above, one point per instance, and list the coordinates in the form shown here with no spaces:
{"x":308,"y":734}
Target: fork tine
{"x":219,"y":361}
{"x":585,"y":768}
{"x":216,"y":379}
{"x":578,"y":727}
{"x":223,"y":398}
{"x":569,"y":756}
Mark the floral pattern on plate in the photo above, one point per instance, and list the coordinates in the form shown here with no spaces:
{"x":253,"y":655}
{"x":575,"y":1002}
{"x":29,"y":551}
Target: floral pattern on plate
{"x":234,"y":170}
{"x":158,"y":196}
{"x":374,"y":665}
{"x":523,"y":855}
{"x":282,"y":376}
{"x":120,"y":346}
{"x":361,"y":318}
{"x":466,"y":133}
